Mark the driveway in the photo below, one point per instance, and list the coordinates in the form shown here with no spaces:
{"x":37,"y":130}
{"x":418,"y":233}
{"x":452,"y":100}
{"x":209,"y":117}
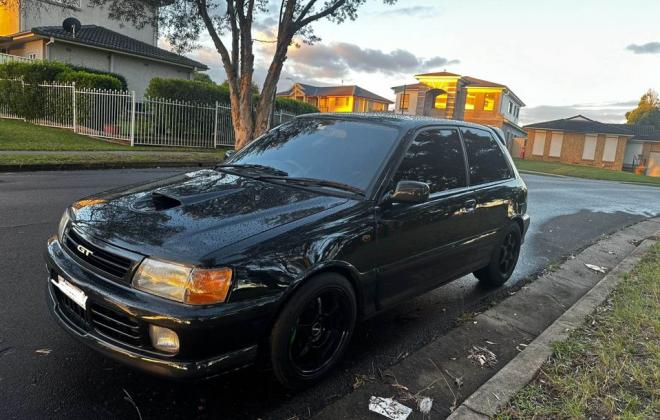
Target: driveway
{"x":66,"y":380}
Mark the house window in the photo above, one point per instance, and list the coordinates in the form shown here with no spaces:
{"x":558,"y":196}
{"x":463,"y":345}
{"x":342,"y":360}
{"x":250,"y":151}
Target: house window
{"x":440,"y":101}
{"x":405,"y":101}
{"x":469,"y":101}
{"x":489,"y":102}
{"x":539,"y":143}
{"x":323,"y":104}
{"x":609,"y":152}
{"x":32,"y":56}
{"x":556,"y":143}
{"x":589,"y":150}
{"x":342,"y":101}
{"x":511,"y":108}
{"x":377,"y":106}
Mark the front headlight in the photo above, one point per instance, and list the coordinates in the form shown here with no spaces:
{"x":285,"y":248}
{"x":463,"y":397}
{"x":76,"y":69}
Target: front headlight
{"x":64,"y":221}
{"x":182,"y":283}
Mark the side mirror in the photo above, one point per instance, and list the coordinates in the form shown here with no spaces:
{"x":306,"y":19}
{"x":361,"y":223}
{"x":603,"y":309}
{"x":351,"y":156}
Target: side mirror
{"x":230,"y":153}
{"x":410,"y":192}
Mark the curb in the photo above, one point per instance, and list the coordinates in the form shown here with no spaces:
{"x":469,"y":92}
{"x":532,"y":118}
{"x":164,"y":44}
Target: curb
{"x":525,"y":171}
{"x":488,"y":399}
{"x":103,"y":165}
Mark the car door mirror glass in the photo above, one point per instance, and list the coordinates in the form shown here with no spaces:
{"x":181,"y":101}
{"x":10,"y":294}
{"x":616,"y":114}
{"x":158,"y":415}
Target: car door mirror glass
{"x":410,"y":192}
{"x":229,"y":154}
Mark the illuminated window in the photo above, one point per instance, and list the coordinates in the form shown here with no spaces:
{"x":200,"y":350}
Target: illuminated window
{"x":377,"y":106}
{"x":440,"y":102}
{"x":489,"y":102}
{"x":323,"y":104}
{"x":342,"y":101}
{"x":405,"y":101}
{"x":470,"y":100}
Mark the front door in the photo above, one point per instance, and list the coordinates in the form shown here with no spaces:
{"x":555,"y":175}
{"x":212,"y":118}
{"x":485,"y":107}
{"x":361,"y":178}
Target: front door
{"x":418,"y":244}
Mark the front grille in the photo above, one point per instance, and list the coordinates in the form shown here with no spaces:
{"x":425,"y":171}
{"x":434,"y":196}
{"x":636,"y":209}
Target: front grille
{"x":115,"y":325}
{"x":74,"y":313}
{"x":107,"y":262}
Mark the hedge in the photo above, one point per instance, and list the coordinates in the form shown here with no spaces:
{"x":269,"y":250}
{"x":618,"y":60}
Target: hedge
{"x":52,"y":71}
{"x":203,"y":92}
{"x":122,"y":79}
{"x":86,"y":80}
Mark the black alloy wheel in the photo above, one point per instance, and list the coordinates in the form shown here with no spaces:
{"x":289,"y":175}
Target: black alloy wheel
{"x":313,"y":330}
{"x":503,"y":258}
{"x":508,"y":254}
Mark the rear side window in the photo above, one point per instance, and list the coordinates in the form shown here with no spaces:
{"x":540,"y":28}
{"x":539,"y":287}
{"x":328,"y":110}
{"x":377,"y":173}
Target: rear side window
{"x":485,"y":158}
{"x":434,"y":157}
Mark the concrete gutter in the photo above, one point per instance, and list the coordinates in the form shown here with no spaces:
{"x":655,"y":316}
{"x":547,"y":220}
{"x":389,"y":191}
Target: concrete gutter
{"x":496,"y":392}
{"x":517,"y":330}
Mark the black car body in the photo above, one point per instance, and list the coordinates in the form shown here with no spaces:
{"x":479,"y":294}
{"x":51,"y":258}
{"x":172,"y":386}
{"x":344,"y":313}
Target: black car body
{"x":387,"y":236}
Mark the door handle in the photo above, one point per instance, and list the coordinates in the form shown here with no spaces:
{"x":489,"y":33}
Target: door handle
{"x":470,"y":206}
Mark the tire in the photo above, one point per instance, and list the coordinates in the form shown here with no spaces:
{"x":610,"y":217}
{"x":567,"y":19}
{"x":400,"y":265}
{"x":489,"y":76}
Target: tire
{"x":503,"y":259}
{"x":313,"y":330}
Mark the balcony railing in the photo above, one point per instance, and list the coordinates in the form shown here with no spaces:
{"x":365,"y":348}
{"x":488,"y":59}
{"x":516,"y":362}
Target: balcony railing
{"x":5,"y":58}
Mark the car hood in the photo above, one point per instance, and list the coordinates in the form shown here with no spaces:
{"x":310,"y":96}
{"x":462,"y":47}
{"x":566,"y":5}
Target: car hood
{"x":191,"y":215}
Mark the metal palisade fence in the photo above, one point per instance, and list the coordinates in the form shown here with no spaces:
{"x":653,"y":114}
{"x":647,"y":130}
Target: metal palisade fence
{"x":118,"y":115}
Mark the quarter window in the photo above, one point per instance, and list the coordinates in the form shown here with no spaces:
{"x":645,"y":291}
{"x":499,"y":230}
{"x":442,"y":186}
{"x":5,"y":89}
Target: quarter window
{"x":434,"y":157}
{"x":485,"y":158}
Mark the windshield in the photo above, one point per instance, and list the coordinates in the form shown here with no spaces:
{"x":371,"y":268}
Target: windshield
{"x":348,"y":152}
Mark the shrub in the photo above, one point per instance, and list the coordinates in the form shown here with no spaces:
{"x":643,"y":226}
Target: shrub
{"x":52,"y":71}
{"x":86,"y":80}
{"x":187,"y":90}
{"x":209,"y":93}
{"x":122,"y":79}
{"x":33,"y":72}
{"x":295,"y":107}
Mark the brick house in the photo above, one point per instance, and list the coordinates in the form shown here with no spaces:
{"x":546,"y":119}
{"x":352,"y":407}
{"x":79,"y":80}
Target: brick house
{"x":337,"y":98}
{"x":578,"y":140}
{"x":452,"y":96}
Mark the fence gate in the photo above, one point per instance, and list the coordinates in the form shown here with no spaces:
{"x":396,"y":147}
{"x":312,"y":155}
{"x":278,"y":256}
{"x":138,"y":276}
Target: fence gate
{"x":104,"y":113}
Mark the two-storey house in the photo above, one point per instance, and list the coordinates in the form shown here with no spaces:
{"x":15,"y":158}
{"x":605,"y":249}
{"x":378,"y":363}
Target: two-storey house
{"x":33,"y":29}
{"x":338,"y":98}
{"x":452,"y":96}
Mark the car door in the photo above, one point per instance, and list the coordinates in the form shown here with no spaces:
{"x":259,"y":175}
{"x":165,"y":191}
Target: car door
{"x":418,"y":244}
{"x":489,"y":173}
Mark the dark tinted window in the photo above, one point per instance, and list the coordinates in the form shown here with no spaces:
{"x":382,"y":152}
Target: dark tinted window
{"x":350,"y":152}
{"x":486,"y":160}
{"x":434,"y":157}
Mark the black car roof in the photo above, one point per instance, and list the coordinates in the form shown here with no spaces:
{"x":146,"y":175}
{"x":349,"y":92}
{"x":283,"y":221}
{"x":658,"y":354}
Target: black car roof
{"x":401,"y":120}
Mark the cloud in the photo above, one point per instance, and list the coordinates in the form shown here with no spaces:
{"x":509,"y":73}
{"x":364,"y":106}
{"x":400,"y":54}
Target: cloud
{"x":648,"y":48}
{"x":336,"y":60}
{"x":608,"y":112}
{"x":414,"y":11}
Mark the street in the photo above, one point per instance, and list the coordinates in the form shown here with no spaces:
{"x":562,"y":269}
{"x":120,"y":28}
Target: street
{"x":45,"y":373}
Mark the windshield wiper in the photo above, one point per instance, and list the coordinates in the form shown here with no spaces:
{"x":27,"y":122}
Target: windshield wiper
{"x":253,"y":166}
{"x":317,"y":182}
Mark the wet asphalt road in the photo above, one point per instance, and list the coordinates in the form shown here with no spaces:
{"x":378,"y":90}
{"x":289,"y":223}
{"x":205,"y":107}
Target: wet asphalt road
{"x":75,"y":383}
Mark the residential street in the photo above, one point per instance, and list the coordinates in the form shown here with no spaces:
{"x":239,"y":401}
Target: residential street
{"x":70,"y":381}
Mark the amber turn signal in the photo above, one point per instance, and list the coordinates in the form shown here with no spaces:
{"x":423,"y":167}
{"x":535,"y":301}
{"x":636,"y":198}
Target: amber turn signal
{"x":208,"y":286}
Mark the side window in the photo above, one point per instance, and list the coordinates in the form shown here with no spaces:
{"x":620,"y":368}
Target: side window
{"x":485,"y":158}
{"x":434,"y":157}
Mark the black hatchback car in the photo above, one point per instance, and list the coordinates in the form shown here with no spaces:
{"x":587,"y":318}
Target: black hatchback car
{"x":277,"y":253}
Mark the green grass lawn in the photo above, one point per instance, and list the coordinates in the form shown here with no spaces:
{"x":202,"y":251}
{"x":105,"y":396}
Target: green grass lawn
{"x":583,"y":172}
{"x":19,"y":135}
{"x":610,"y":368}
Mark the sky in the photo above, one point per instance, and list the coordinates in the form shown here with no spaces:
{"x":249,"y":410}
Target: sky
{"x":561,"y":57}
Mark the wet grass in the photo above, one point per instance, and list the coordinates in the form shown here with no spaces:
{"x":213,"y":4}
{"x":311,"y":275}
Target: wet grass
{"x":18,"y":135}
{"x":610,"y":368}
{"x":588,"y":172}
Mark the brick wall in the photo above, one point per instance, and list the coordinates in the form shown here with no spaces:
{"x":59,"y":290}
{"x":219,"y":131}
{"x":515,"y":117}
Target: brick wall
{"x":573,"y":148}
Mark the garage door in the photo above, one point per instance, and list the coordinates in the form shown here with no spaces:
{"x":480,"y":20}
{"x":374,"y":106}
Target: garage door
{"x":654,"y":164}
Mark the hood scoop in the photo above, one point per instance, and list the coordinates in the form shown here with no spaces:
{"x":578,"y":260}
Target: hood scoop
{"x":162,"y":201}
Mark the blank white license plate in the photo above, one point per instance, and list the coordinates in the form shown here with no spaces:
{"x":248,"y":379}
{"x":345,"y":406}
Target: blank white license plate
{"x":74,"y":293}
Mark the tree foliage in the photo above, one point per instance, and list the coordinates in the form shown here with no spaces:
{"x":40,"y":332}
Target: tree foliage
{"x":184,"y":22}
{"x":647,"y":112}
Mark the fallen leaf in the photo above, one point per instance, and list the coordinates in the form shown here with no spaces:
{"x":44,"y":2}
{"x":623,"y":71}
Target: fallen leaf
{"x":596,"y":268}
{"x":43,"y":351}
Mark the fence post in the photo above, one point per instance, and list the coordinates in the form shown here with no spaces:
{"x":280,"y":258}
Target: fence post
{"x":23,"y":94}
{"x":75,"y":112}
{"x":132,"y":118}
{"x":215,"y":126}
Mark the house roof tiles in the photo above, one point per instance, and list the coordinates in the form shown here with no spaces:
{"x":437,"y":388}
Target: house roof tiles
{"x":98,"y":36}
{"x":581,"y":124}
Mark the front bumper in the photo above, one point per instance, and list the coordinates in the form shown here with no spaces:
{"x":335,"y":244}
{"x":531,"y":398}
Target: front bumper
{"x":526,"y":220}
{"x":214,"y":339}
